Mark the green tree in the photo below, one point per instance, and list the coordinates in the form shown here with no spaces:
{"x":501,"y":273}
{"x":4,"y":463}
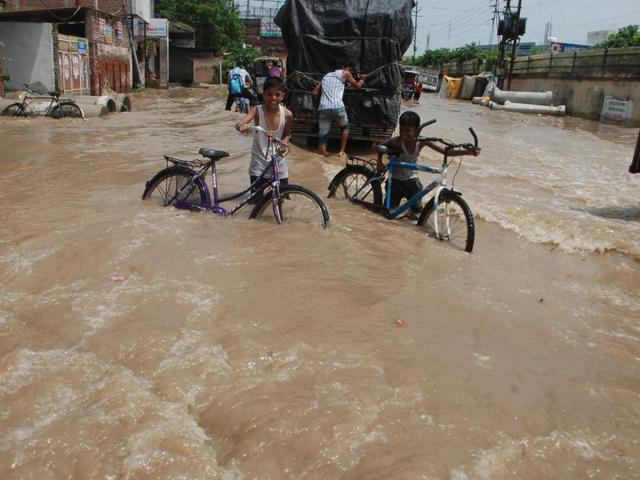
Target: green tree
{"x":241,"y":57}
{"x":217,"y":22}
{"x":628,"y":36}
{"x":441,"y":56}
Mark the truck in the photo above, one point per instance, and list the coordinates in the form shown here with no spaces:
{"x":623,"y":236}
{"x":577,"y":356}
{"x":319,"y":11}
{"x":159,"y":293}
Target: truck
{"x":322,"y":36}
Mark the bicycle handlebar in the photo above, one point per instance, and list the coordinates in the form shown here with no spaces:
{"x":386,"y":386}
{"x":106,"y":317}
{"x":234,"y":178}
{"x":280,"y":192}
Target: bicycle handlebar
{"x":29,"y":89}
{"x":451,"y":145}
{"x":426,"y":124}
{"x":277,"y":142}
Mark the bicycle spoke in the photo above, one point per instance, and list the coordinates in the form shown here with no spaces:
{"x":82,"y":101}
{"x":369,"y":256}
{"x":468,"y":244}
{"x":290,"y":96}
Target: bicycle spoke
{"x":167,"y":190}
{"x":295,"y":206}
{"x":454,"y":222}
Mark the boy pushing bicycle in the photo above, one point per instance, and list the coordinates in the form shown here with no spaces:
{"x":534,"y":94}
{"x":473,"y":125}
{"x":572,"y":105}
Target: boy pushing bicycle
{"x":405,"y":182}
{"x":274,"y":118}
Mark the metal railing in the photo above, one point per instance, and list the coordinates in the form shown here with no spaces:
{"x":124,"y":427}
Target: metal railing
{"x":591,"y":63}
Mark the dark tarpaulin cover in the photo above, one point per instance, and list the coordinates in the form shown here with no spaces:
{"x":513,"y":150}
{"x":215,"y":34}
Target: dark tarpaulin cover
{"x":635,"y":163}
{"x":371,"y":34}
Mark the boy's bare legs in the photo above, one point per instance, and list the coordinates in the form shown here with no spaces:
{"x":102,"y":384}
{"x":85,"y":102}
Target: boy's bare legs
{"x":344,"y":137}
{"x":322,"y":149}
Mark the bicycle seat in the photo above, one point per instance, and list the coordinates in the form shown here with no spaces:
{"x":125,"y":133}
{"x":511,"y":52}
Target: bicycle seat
{"x":389,"y":150}
{"x":54,"y":94}
{"x":213,"y":154}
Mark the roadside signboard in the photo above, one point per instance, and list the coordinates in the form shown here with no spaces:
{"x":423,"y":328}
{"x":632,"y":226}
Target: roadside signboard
{"x":156,"y":28}
{"x":557,"y":47}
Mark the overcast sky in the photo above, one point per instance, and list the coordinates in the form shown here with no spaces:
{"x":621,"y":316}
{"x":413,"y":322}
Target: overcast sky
{"x":471,"y":20}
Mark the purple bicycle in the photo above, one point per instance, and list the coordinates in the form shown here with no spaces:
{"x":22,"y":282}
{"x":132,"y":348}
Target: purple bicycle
{"x":182,"y":185}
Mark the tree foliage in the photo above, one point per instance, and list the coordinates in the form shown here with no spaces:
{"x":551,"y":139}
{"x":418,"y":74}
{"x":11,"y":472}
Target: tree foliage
{"x":441,"y":56}
{"x":628,"y":36}
{"x":241,"y":57}
{"x":217,"y":23}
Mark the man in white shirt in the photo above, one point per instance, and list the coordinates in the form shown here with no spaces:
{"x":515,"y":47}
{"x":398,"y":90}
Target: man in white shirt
{"x":238,"y":81}
{"x":331,"y":90}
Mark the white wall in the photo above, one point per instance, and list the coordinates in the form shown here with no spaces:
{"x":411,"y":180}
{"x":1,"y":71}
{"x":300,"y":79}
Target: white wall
{"x":141,"y":8}
{"x":28,"y":48}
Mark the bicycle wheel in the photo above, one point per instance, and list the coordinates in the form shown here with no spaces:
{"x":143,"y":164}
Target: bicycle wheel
{"x":455,"y":221}
{"x":164,"y":188}
{"x":295,"y":205}
{"x":67,"y":110}
{"x":348,"y":183}
{"x":14,"y":110}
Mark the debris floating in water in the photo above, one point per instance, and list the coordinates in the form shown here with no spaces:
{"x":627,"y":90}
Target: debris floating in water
{"x":118,"y":278}
{"x":400,"y":323}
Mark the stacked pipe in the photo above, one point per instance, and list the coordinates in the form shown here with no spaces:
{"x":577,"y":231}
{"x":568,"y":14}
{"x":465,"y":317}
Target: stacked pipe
{"x":520,"y":102}
{"x":97,"y":106}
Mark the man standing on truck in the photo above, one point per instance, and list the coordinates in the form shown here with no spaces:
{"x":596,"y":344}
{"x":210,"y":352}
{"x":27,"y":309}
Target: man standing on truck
{"x":238,"y":80}
{"x":331,"y":90}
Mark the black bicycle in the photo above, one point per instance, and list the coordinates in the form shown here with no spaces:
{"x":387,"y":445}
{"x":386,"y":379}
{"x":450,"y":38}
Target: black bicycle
{"x":57,"y":108}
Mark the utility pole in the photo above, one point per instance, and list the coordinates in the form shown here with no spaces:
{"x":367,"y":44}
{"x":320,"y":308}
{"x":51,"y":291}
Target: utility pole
{"x":428,"y":39}
{"x":496,"y":16}
{"x":415,"y":31}
{"x":511,"y":27}
{"x":514,"y":47}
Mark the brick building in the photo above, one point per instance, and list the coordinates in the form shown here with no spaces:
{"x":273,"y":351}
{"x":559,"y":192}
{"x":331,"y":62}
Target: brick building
{"x":75,"y":46}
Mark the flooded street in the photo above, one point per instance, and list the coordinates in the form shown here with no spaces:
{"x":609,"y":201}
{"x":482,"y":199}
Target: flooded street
{"x":233,"y":349}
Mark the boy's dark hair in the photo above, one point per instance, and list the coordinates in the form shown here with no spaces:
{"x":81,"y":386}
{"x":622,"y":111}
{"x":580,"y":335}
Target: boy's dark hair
{"x":273,"y":82}
{"x":410,"y":119}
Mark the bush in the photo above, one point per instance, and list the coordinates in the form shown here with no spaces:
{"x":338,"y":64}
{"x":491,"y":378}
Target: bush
{"x":628,"y":36}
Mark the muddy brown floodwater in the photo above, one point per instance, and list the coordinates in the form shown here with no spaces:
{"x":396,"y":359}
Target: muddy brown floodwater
{"x":239,"y":349}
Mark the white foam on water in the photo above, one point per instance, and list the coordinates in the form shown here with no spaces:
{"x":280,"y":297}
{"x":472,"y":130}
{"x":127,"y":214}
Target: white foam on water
{"x":514,"y":458}
{"x":62,"y":404}
{"x":483,"y":360}
{"x":22,"y":259}
{"x":330,"y":170}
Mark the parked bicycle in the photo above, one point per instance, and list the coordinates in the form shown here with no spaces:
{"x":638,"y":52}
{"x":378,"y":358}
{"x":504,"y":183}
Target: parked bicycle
{"x":446,"y":216}
{"x":183,"y":186}
{"x":57,"y":108}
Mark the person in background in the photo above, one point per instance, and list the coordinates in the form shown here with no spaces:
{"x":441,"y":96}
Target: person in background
{"x":417,"y":91}
{"x":238,"y":81}
{"x":331,"y":90}
{"x":275,"y":70}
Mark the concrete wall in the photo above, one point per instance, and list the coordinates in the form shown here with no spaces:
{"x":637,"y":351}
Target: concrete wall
{"x":584,"y":97}
{"x":29,"y":50}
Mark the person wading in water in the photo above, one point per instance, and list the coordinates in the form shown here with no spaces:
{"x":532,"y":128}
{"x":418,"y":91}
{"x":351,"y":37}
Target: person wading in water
{"x":331,"y":90}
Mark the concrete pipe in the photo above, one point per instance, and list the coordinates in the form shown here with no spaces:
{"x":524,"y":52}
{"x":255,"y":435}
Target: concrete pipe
{"x":107,"y":101}
{"x":527,"y":108}
{"x":16,"y":95}
{"x":480,"y":101}
{"x":123,"y":103}
{"x":91,"y":111}
{"x":5,"y":102}
{"x":533,"y":98}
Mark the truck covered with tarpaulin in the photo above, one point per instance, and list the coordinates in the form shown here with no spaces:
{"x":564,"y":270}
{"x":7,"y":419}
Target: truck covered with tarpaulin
{"x":372,"y":35}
